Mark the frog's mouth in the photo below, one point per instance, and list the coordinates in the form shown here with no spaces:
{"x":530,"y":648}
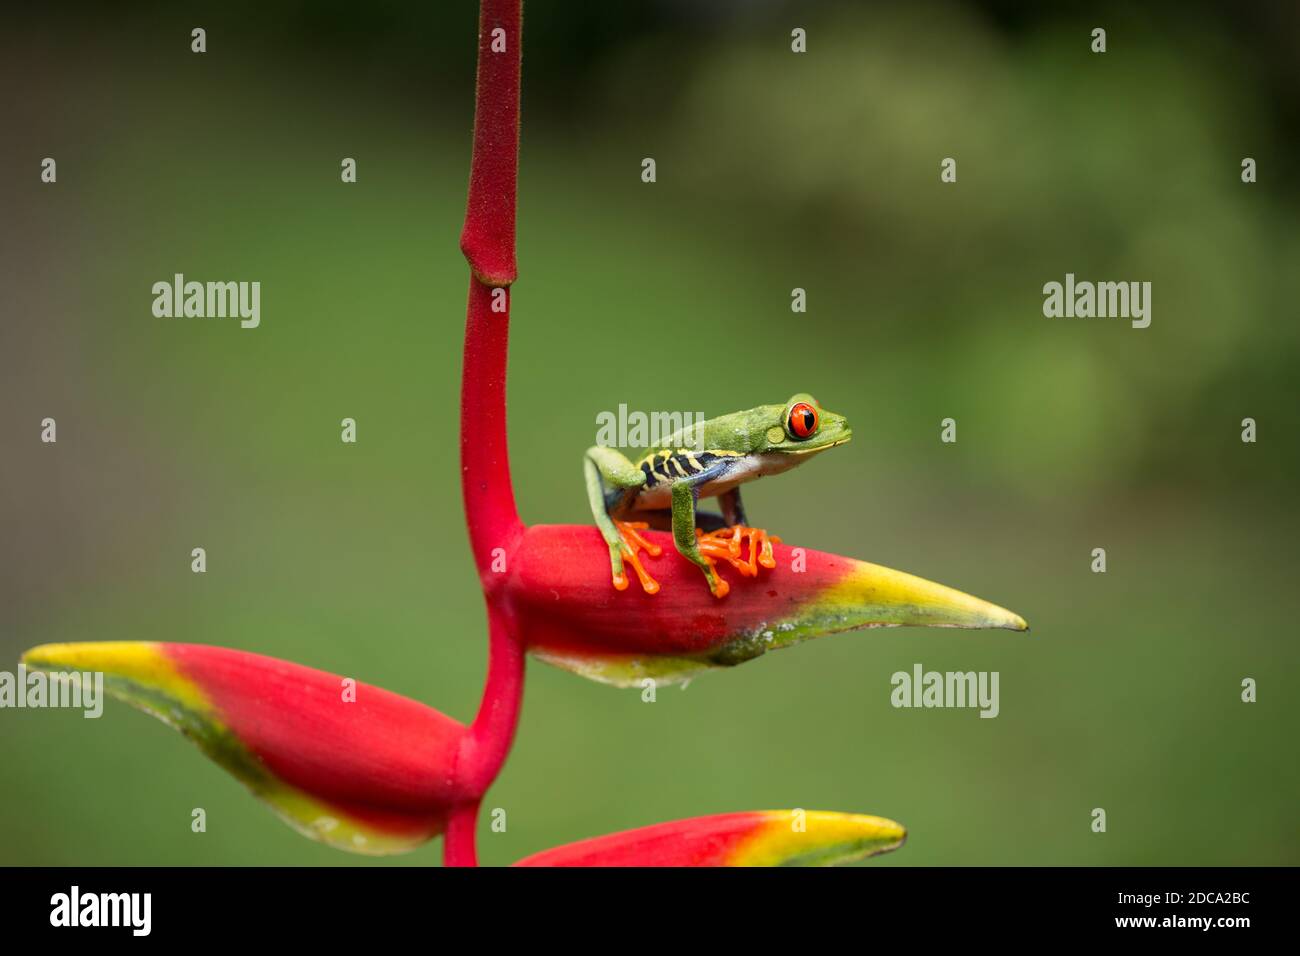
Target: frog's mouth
{"x":843,"y":439}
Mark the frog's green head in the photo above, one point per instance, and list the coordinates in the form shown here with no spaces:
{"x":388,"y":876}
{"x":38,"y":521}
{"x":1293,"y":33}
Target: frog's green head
{"x":801,"y":427}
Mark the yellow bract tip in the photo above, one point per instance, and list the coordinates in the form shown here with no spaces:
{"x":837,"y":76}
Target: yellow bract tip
{"x":141,"y":663}
{"x":818,"y":838}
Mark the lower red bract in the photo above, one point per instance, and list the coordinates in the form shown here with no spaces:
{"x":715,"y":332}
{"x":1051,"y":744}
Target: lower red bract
{"x":381,"y":756}
{"x":702,"y":841}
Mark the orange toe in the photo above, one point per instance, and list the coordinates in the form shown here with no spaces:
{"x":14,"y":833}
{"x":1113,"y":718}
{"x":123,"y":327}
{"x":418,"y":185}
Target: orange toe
{"x":633,"y":544}
{"x":730,"y":545}
{"x":719,"y":587}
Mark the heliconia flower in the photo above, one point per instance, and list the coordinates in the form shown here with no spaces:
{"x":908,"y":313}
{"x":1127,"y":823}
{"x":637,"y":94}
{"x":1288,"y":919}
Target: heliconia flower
{"x":352,"y":765}
{"x":754,"y":838}
{"x":380,"y":773}
{"x":571,"y":616}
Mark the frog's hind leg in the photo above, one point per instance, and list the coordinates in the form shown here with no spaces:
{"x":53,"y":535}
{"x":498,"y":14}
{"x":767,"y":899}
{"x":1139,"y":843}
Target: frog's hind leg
{"x":707,"y":521}
{"x":729,"y":544}
{"x":733,"y":512}
{"x":624,"y":539}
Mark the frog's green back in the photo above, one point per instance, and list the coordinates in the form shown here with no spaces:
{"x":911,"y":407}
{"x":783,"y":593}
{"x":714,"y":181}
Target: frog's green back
{"x":742,"y":432}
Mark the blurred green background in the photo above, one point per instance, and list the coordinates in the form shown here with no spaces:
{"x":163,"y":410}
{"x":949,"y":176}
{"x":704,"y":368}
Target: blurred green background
{"x":774,"y":171}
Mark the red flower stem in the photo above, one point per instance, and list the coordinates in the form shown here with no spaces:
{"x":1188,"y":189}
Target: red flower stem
{"x":458,"y":844}
{"x":488,"y":241}
{"x":484,"y":749}
{"x":484,"y":457}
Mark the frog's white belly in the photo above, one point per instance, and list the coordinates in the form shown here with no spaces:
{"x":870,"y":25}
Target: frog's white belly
{"x":745,"y":469}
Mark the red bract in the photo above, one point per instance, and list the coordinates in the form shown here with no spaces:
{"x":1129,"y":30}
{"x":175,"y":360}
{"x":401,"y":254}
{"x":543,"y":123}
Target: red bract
{"x":559,"y":590}
{"x":755,"y":838}
{"x":344,"y":762}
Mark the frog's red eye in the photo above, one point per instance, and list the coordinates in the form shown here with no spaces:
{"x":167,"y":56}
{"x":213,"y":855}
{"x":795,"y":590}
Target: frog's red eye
{"x":803,"y":420}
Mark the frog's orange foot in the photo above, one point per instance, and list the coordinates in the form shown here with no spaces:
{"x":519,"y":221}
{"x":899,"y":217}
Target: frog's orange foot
{"x":743,"y":547}
{"x":718,"y":587}
{"x":633,"y":544}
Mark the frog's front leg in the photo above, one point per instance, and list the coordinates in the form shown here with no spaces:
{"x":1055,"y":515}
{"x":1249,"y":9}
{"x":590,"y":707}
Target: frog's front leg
{"x":685,"y":495}
{"x":606,"y":466}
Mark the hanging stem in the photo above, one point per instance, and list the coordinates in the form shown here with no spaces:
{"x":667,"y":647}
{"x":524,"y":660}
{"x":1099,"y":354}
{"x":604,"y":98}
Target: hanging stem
{"x":458,"y":844}
{"x":488,"y":241}
{"x":493,"y":730}
{"x":484,"y":457}
{"x":485,"y":749}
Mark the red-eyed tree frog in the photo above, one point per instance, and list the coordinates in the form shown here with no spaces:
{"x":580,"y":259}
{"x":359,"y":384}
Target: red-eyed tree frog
{"x":705,"y":460}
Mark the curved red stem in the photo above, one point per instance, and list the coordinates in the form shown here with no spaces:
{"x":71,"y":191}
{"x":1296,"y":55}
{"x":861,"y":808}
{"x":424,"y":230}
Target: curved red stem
{"x":485,"y":749}
{"x":488,"y":241}
{"x":458,"y":845}
{"x":494,"y":525}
